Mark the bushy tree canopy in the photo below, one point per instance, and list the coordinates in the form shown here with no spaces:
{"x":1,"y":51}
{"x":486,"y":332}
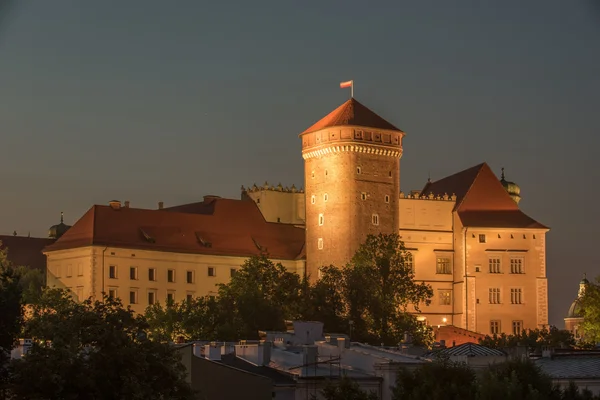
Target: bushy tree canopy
{"x":590,"y":311}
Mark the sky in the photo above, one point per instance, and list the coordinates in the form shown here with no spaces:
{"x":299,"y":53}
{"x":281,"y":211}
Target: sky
{"x":151,"y":100}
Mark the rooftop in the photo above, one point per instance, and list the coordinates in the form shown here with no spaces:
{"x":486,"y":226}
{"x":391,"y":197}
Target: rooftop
{"x":25,"y":251}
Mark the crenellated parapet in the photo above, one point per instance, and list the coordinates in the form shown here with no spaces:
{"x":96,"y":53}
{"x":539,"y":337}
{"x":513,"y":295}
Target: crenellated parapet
{"x":430,"y":196}
{"x":329,"y":149}
{"x":267,"y":187}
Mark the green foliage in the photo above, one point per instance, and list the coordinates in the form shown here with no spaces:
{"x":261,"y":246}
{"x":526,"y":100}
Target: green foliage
{"x":442,"y":379}
{"x":533,"y":339}
{"x":346,"y":389}
{"x":32,"y":283}
{"x":590,"y":311}
{"x":96,"y":350}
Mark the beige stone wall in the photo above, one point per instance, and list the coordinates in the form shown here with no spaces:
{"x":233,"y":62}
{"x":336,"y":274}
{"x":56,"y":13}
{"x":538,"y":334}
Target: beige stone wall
{"x":95,"y":265}
{"x":278,"y":204}
{"x":352,"y":190}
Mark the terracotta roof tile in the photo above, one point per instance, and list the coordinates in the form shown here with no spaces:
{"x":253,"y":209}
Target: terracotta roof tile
{"x":352,"y":113}
{"x":25,"y":251}
{"x":218,"y":226}
{"x":481,"y":200}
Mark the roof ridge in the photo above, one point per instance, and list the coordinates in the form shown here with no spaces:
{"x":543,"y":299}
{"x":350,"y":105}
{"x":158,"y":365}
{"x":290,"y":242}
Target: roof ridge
{"x":479,"y":169}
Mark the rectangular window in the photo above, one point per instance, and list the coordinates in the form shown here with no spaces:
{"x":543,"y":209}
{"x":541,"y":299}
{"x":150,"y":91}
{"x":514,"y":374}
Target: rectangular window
{"x":133,"y":273}
{"x":516,"y":296}
{"x":494,"y":295}
{"x":189,"y":276}
{"x":516,"y":265}
{"x":80,"y":269}
{"x":112,"y":293}
{"x":152,"y":274}
{"x":481,"y":238}
{"x":79,"y":292}
{"x":321,"y":219}
{"x":494,"y":264}
{"x":445,"y":296}
{"x":375,"y":219}
{"x":151,"y":298}
{"x":171,"y":275}
{"x":495,"y":327}
{"x":112,"y":272}
{"x":133,"y":297}
{"x":189,"y":297}
{"x":443,"y":266}
{"x":69,"y":271}
{"x":170,"y":297}
{"x":517,"y":327}
{"x":409,"y":262}
{"x":387,"y":198}
{"x":211,"y":271}
{"x":363,"y":196}
{"x":320,"y":244}
{"x":232,"y":272}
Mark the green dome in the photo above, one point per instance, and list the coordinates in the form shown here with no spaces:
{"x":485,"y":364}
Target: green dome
{"x":574,"y":310}
{"x":512,"y":188}
{"x":56,"y":231}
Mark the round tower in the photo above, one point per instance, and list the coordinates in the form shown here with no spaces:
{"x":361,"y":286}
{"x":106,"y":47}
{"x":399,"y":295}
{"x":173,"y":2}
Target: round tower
{"x":352,"y":183}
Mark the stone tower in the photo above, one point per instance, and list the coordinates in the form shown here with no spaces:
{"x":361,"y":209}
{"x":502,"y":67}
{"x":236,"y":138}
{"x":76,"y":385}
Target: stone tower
{"x":352,"y":183}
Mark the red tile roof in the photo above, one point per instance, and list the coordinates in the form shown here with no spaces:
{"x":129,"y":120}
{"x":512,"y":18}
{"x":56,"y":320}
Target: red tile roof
{"x":481,"y":200}
{"x":216,"y":226}
{"x":352,"y":113}
{"x":25,"y":251}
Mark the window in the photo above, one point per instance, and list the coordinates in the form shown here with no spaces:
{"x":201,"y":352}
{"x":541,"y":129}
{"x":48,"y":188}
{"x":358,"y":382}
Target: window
{"x":151,"y":274}
{"x":409,"y":262}
{"x":79,"y":292}
{"x":112,"y":293}
{"x":494,"y":296}
{"x":517,"y":327}
{"x":445,"y":296}
{"x":494,"y":264}
{"x":170,"y":297}
{"x":189,"y":276}
{"x":390,"y":174}
{"x":481,"y":238}
{"x":312,"y":174}
{"x":80,"y":269}
{"x":516,"y":266}
{"x":495,"y":327}
{"x":443,"y":266}
{"x":171,"y":275}
{"x":358,"y":170}
{"x":478,"y":268}
{"x":325,"y":197}
{"x":516,"y":296}
{"x":151,"y":298}
{"x":313,"y":199}
{"x":189,"y":297}
{"x":133,"y":273}
{"x":375,"y":219}
{"x":321,"y":219}
{"x":133,"y":297}
{"x":325,"y":172}
{"x":387,"y":198}
{"x":363,"y":196}
{"x":232,"y":272}
{"x":69,"y":271}
{"x":320,"y":243}
{"x":211,"y":271}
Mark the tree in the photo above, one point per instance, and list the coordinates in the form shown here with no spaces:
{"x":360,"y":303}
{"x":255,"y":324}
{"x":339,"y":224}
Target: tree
{"x":32,"y":283}
{"x":441,"y":379}
{"x":11,"y":313}
{"x":590,"y":311}
{"x":533,"y":339}
{"x":346,"y":389}
{"x":326,"y":301}
{"x":96,"y":350}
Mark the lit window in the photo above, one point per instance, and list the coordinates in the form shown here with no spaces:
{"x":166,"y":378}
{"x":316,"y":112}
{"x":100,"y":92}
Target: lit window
{"x":321,"y":219}
{"x":494,"y":264}
{"x":375,"y":219}
{"x":515,"y":296}
{"x":495,"y":327}
{"x":189,"y":276}
{"x":133,"y":273}
{"x":152,"y":274}
{"x":443,"y":266}
{"x":171,"y":275}
{"x":494,"y":295}
{"x":325,"y":197}
{"x":112,"y":272}
{"x":211,"y":271}
{"x":516,"y":266}
{"x":445,"y":297}
{"x":481,"y":238}
{"x":387,"y":198}
{"x":320,"y":244}
{"x":313,"y":199}
{"x":517,"y":327}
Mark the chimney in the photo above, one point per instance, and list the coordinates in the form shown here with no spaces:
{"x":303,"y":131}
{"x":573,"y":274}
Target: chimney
{"x":198,"y":350}
{"x":342,"y":343}
{"x":257,"y":354}
{"x":126,"y":203}
{"x":212,"y":351}
{"x":115,"y":204}
{"x":160,"y":205}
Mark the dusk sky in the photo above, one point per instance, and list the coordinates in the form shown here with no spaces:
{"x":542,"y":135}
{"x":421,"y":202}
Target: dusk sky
{"x":168,"y":101}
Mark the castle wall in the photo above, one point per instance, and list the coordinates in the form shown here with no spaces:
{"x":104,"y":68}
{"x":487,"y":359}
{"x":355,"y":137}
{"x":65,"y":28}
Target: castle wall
{"x":279,"y":204}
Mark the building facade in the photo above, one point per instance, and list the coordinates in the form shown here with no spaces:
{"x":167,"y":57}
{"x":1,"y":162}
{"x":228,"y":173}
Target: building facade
{"x":467,"y":237}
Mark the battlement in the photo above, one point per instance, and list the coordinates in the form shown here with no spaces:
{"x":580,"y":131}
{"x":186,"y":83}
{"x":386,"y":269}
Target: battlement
{"x":431,"y":196}
{"x":266,"y":186}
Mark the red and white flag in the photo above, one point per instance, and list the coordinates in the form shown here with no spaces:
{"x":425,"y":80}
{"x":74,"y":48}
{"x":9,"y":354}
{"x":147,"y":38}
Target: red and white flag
{"x":346,"y":84}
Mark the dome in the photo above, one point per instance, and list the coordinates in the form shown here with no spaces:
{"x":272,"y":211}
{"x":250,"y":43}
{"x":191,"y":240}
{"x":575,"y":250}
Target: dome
{"x":574,"y":310}
{"x":512,"y":188}
{"x":56,"y":231}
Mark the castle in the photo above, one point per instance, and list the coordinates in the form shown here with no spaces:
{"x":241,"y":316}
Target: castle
{"x":467,"y":237}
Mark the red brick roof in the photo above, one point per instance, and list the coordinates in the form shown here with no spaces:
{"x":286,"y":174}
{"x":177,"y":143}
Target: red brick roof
{"x":216,"y":226}
{"x":352,"y":113}
{"x":481,"y":200}
{"x":25,"y":251}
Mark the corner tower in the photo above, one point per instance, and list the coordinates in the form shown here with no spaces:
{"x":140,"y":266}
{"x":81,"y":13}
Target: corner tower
{"x":352,"y":183}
